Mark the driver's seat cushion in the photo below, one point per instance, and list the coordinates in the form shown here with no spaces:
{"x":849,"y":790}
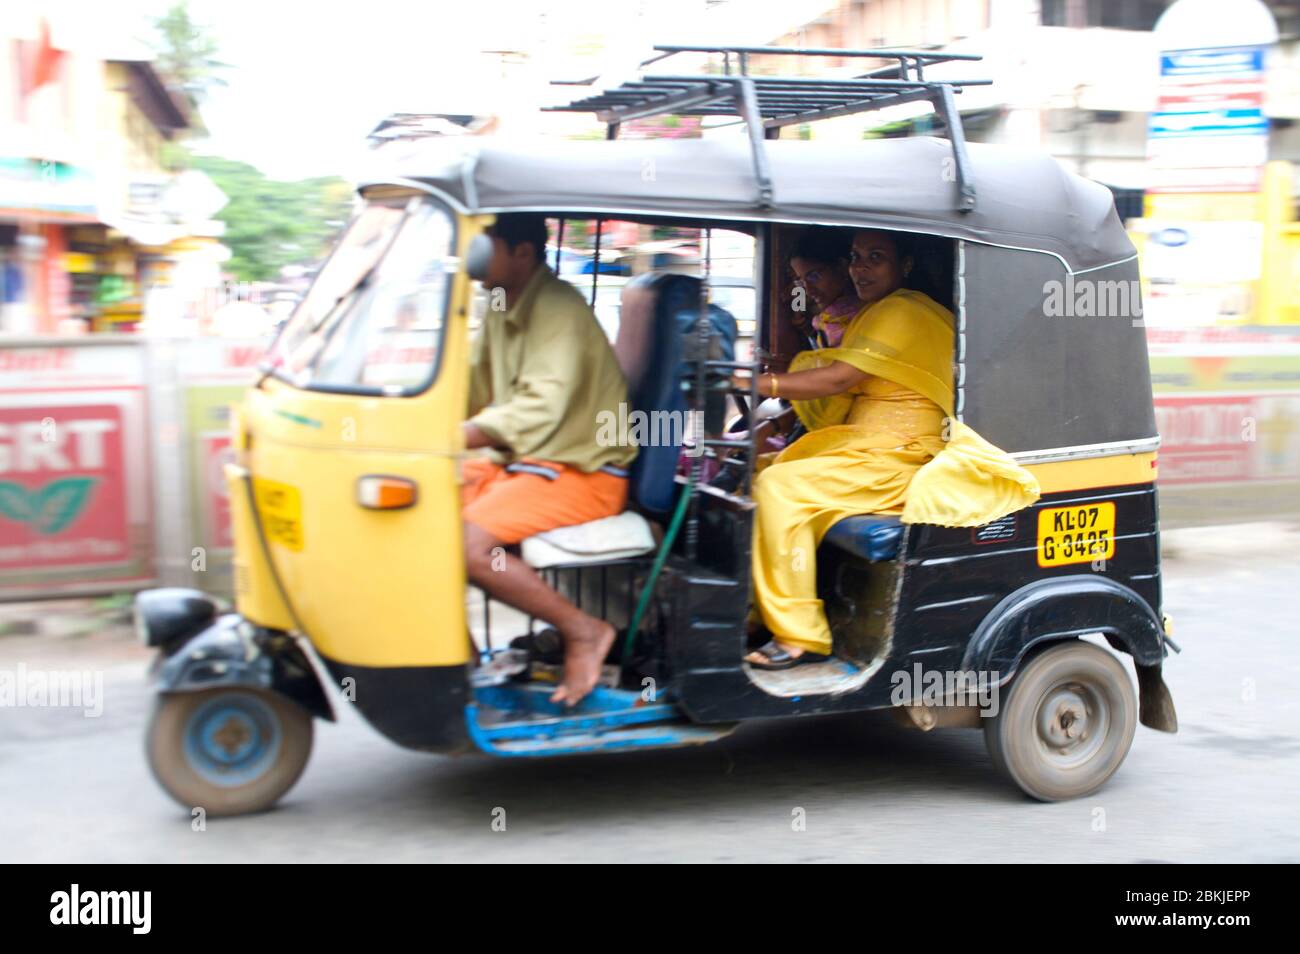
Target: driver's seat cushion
{"x":873,"y":537}
{"x":619,"y":537}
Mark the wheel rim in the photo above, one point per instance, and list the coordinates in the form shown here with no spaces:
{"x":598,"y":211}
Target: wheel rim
{"x":232,"y":739}
{"x":1072,"y":722}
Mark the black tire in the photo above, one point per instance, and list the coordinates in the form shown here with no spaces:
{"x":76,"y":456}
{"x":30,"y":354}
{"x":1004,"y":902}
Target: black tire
{"x":227,"y":751}
{"x":1066,"y":722}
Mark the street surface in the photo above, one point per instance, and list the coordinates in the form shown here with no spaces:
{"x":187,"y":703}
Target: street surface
{"x":77,"y":789}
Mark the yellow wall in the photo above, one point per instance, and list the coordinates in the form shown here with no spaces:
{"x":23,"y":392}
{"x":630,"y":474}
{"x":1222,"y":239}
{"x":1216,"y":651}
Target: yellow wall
{"x":1276,"y":295}
{"x":125,"y":124}
{"x":1280,"y":287}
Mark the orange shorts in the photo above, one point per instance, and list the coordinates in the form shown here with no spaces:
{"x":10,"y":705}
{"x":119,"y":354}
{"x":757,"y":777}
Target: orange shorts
{"x":535,"y":496}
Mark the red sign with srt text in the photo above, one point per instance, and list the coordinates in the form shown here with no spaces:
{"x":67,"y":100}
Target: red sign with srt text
{"x":62,"y":487}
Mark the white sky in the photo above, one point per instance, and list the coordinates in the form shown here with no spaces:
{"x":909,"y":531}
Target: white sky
{"x":310,"y":79}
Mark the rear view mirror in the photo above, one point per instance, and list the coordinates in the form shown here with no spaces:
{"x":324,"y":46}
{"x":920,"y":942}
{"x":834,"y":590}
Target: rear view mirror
{"x":477,"y":257}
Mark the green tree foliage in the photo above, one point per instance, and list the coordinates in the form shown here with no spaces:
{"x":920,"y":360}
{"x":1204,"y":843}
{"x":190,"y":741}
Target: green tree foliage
{"x":187,"y":54}
{"x":271,"y":224}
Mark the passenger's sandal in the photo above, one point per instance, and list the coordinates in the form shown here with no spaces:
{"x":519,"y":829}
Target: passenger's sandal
{"x":778,"y":658}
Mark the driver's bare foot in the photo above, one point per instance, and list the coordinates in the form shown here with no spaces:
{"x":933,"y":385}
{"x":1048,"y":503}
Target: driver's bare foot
{"x":585,"y":650}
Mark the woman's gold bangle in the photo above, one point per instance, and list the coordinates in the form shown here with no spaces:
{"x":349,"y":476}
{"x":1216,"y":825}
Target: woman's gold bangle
{"x":772,"y":375}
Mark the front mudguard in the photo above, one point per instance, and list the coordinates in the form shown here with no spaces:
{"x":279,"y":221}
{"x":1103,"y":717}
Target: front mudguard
{"x":232,"y":652}
{"x":1066,"y":607}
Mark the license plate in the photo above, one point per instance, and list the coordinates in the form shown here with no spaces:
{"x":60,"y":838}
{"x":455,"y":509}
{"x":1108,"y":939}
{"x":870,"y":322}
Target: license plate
{"x":1079,"y":534}
{"x":280,"y":511}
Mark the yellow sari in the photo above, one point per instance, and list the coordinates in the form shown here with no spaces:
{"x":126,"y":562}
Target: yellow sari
{"x":889,"y":445}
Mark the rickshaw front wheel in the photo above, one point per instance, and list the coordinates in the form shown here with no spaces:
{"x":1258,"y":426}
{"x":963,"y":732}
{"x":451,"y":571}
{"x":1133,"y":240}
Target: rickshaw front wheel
{"x":228,"y":751}
{"x":1065,"y":723}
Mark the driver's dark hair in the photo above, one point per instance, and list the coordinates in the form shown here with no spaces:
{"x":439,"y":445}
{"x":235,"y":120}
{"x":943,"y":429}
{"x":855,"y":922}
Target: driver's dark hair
{"x":514,"y":228}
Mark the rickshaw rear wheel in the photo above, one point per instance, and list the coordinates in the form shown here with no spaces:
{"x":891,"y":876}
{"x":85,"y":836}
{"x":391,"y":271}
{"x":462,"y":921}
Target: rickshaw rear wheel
{"x":1065,"y":723}
{"x":227,"y":751}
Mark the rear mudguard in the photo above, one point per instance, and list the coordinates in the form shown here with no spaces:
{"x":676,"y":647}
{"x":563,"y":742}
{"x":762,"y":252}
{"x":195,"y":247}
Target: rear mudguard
{"x":232,"y":652}
{"x":1066,"y":607}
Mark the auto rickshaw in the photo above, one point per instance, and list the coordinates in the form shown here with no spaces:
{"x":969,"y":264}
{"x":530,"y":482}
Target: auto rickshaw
{"x":348,"y":570}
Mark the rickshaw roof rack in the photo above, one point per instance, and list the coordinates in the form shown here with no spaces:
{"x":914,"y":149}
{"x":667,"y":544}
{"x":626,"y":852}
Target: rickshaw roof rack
{"x":913,"y":61}
{"x":766,"y":104}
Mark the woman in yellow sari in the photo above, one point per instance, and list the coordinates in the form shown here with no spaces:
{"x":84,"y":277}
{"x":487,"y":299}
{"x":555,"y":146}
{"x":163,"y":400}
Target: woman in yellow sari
{"x":881,"y":439}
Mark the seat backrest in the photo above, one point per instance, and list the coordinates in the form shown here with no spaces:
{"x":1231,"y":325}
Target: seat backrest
{"x":657,"y":371}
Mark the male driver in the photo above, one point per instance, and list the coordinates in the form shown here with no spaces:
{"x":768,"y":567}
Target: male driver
{"x":542,"y":373}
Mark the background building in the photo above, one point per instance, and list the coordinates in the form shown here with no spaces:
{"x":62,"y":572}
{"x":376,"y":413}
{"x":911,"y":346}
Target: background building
{"x":1077,"y":78}
{"x":94,"y":223}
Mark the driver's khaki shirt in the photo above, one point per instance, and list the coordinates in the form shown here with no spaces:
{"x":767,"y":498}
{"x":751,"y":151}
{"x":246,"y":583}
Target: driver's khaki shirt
{"x":544,"y":382}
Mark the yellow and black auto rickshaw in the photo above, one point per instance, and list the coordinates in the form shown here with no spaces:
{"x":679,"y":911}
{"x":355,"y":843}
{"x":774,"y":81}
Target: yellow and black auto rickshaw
{"x":349,"y":575}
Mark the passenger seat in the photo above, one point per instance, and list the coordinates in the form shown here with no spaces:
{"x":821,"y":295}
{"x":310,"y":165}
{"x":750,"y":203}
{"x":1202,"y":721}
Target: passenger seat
{"x":654,"y":338}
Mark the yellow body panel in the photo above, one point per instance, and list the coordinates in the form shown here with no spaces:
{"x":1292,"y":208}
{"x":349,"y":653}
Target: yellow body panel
{"x":379,"y":588}
{"x":1117,"y":471}
{"x":257,"y":598}
{"x":373,"y":587}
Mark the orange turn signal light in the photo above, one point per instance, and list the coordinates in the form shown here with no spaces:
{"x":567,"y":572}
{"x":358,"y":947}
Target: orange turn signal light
{"x":379,"y":492}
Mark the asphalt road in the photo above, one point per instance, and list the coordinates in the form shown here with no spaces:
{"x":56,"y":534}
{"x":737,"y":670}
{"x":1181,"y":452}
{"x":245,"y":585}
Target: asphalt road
{"x":1224,"y":789}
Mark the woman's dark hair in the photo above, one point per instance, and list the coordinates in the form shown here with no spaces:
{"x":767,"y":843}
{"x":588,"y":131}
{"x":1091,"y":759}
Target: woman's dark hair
{"x":514,"y":228}
{"x":932,"y":264}
{"x":822,"y":244}
{"x":905,"y":243}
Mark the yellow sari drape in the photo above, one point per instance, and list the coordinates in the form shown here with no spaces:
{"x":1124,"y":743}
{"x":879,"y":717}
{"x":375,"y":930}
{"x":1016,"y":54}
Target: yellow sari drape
{"x":890,"y":445}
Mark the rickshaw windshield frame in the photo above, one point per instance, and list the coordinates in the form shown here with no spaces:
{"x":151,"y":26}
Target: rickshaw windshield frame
{"x":348,"y":299}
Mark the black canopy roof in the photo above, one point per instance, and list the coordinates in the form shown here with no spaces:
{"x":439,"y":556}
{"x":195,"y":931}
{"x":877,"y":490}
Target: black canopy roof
{"x":1027,"y":200}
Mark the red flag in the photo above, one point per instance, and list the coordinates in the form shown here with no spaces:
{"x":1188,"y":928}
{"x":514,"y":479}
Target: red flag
{"x":43,"y":62}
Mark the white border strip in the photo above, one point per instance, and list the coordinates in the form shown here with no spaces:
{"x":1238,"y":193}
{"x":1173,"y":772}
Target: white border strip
{"x":1051,"y":455}
{"x":960,"y":403}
